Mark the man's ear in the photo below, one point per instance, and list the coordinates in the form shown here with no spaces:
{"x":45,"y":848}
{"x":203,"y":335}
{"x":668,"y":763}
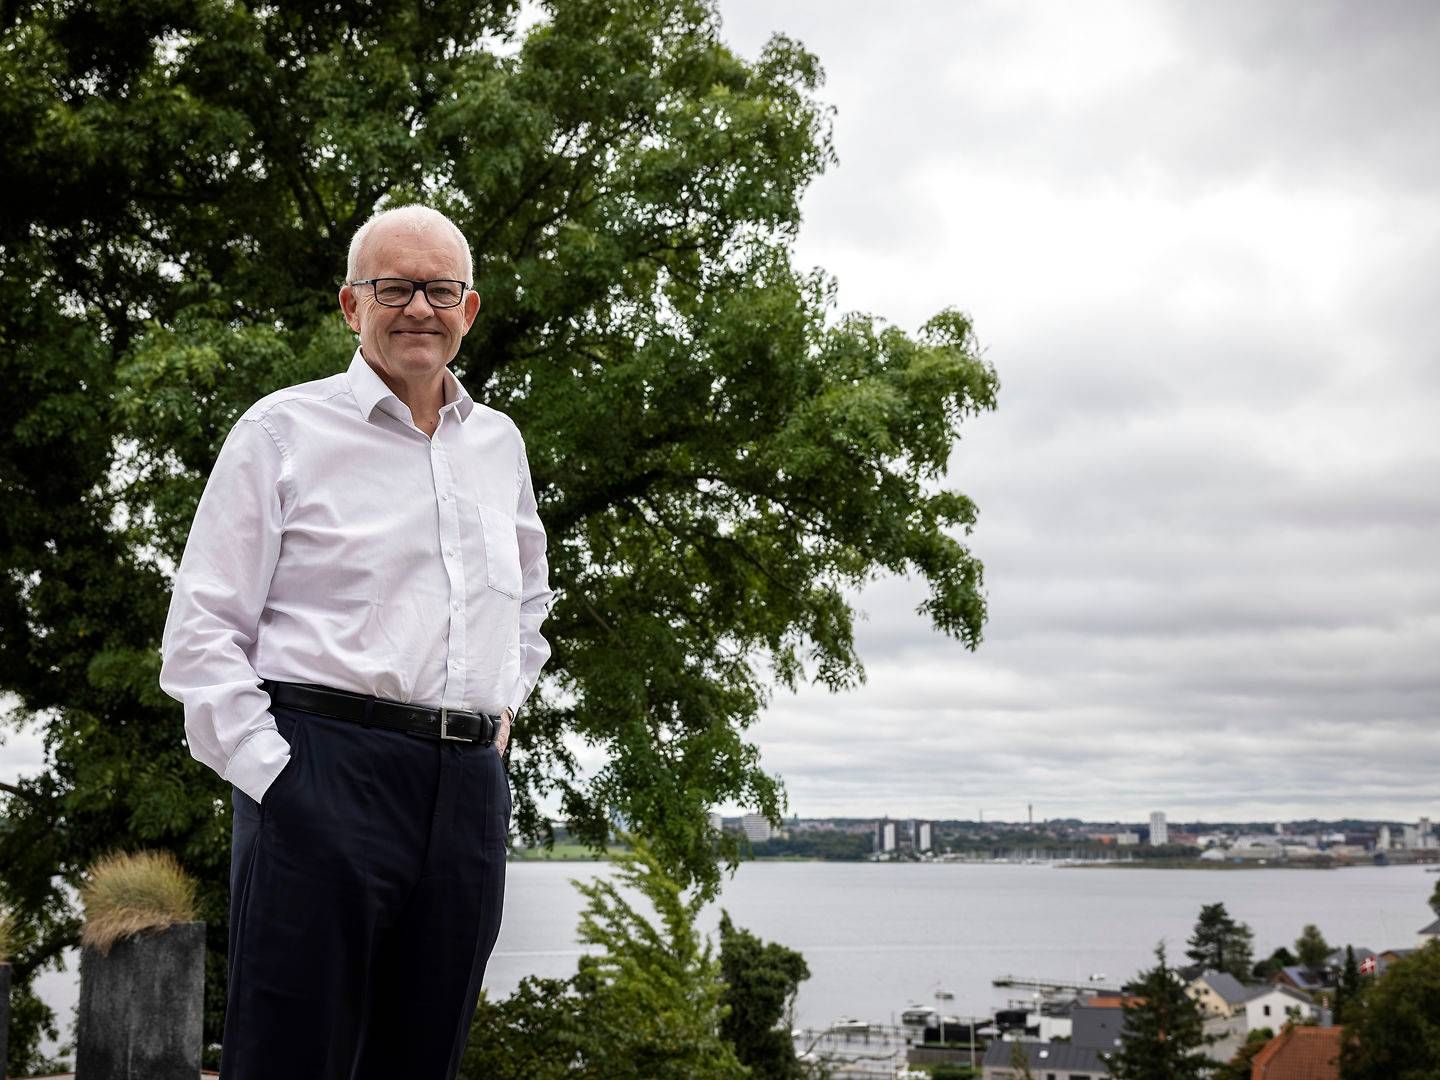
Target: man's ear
{"x":472,"y":308}
{"x":349,"y":308}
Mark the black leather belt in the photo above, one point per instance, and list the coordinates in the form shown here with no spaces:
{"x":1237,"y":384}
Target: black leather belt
{"x":447,"y":724}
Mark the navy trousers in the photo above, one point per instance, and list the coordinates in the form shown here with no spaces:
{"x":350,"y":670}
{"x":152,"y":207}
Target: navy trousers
{"x":365,"y":898}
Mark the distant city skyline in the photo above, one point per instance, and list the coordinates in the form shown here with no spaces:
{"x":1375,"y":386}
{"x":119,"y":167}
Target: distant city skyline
{"x":1172,"y":823}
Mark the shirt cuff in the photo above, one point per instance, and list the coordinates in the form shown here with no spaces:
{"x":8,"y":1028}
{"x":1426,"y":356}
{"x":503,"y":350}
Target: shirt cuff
{"x":257,"y":762}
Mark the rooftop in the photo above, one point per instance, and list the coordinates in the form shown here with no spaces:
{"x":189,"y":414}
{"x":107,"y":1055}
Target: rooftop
{"x":1300,"y":1053}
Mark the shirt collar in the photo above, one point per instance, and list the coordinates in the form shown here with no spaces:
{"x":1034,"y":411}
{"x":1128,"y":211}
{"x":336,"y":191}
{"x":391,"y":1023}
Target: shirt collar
{"x":371,"y":392}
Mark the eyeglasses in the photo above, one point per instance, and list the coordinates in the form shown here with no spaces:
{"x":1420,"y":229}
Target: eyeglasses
{"x":397,"y":291}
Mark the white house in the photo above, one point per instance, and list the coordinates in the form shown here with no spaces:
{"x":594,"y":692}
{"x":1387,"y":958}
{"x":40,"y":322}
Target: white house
{"x":1271,"y":1007}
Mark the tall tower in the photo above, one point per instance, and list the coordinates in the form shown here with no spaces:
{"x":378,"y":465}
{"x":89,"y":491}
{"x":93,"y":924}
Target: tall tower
{"x":1159,"y":832}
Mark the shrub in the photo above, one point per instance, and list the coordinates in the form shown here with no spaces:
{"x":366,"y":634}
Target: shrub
{"x":7,"y":936}
{"x":127,"y":893}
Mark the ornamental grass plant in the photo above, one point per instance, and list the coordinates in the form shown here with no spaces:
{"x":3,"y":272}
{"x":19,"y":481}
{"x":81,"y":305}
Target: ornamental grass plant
{"x":126,"y":893}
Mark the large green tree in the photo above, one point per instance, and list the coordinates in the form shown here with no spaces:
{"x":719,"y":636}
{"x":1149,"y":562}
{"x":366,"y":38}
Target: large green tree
{"x":719,"y":457}
{"x":1164,"y":1030}
{"x":1392,"y":1027}
{"x":1221,"y":943}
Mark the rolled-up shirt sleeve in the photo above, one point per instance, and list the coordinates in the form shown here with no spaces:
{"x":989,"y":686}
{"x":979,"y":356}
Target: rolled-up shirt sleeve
{"x":215,"y":610}
{"x":535,"y":593}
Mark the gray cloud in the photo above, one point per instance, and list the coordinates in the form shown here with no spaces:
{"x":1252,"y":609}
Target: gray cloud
{"x":1198,"y":242}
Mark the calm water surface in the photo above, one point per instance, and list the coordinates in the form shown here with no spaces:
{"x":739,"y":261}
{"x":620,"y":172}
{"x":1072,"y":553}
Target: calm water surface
{"x":878,"y":936}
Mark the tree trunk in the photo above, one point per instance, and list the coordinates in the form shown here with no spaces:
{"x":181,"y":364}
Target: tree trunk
{"x":4,"y":1017}
{"x":142,"y":1007}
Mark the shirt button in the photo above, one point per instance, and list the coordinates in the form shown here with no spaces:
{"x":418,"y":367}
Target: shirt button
{"x":449,"y":551}
{"x":457,"y":605}
{"x":444,"y":498}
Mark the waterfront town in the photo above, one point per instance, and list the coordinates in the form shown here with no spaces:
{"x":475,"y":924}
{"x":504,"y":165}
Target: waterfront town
{"x":1279,"y":1019}
{"x":1282,"y":1025}
{"x":1224,"y":845}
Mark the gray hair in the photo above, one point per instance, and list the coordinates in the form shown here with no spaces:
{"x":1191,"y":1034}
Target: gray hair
{"x":420,"y":219}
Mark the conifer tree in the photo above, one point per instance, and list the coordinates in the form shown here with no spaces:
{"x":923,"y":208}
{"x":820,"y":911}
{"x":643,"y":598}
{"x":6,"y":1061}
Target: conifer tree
{"x":647,"y":1003}
{"x":1349,"y":987}
{"x":1220,"y":943}
{"x":1164,"y":1031}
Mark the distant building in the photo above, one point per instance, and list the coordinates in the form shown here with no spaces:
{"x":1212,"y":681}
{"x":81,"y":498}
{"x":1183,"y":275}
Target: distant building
{"x":1127,"y":839}
{"x":716,"y":822}
{"x":1159,"y":832}
{"x":1099,"y":1023}
{"x":1424,"y":835}
{"x":757,"y":828}
{"x":1064,"y":1061}
{"x":1271,"y":1006}
{"x":1217,"y":993}
{"x":922,"y":836}
{"x":885,"y":835}
{"x":1382,"y":841}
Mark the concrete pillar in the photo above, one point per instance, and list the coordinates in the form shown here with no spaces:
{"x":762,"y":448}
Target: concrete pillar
{"x":142,"y":1007}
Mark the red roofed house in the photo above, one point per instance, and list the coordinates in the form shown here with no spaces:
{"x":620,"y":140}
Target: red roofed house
{"x":1300,"y":1053}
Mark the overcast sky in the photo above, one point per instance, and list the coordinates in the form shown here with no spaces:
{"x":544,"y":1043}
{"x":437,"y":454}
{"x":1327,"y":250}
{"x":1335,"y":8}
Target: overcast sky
{"x":1201,"y":245}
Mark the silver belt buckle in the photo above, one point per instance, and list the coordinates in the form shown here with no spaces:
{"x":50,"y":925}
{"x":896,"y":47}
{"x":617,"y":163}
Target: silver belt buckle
{"x":444,"y":727}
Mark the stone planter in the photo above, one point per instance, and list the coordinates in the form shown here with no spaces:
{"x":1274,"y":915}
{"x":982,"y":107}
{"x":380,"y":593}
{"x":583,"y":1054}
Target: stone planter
{"x":4,"y":1017}
{"x":142,"y":1006}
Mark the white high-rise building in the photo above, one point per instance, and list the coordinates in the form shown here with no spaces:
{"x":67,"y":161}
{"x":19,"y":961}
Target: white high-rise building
{"x":922,"y":836}
{"x":716,"y":822}
{"x":1382,"y":842}
{"x":756,"y":827}
{"x":1159,"y":832}
{"x":885,"y":836}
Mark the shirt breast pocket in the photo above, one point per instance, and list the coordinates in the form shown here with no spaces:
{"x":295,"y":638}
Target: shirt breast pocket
{"x":502,"y":552}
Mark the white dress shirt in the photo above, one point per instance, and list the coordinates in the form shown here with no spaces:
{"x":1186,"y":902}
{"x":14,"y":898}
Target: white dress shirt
{"x":336,"y":544}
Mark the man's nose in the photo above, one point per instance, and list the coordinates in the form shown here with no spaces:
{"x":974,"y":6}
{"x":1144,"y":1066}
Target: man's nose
{"x":425,"y":311}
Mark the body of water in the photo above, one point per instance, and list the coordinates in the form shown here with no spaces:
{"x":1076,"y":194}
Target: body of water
{"x":878,"y":936}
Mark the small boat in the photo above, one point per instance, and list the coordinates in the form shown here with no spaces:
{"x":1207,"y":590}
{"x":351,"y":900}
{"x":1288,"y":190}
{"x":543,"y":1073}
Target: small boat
{"x":944,"y":995}
{"x":848,"y":1025}
{"x":917,"y":1014}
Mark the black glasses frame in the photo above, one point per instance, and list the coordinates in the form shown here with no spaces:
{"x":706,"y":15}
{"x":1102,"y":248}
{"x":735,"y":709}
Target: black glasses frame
{"x":424,"y":286}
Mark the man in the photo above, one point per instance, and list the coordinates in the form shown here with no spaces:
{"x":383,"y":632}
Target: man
{"x":355,"y":624}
